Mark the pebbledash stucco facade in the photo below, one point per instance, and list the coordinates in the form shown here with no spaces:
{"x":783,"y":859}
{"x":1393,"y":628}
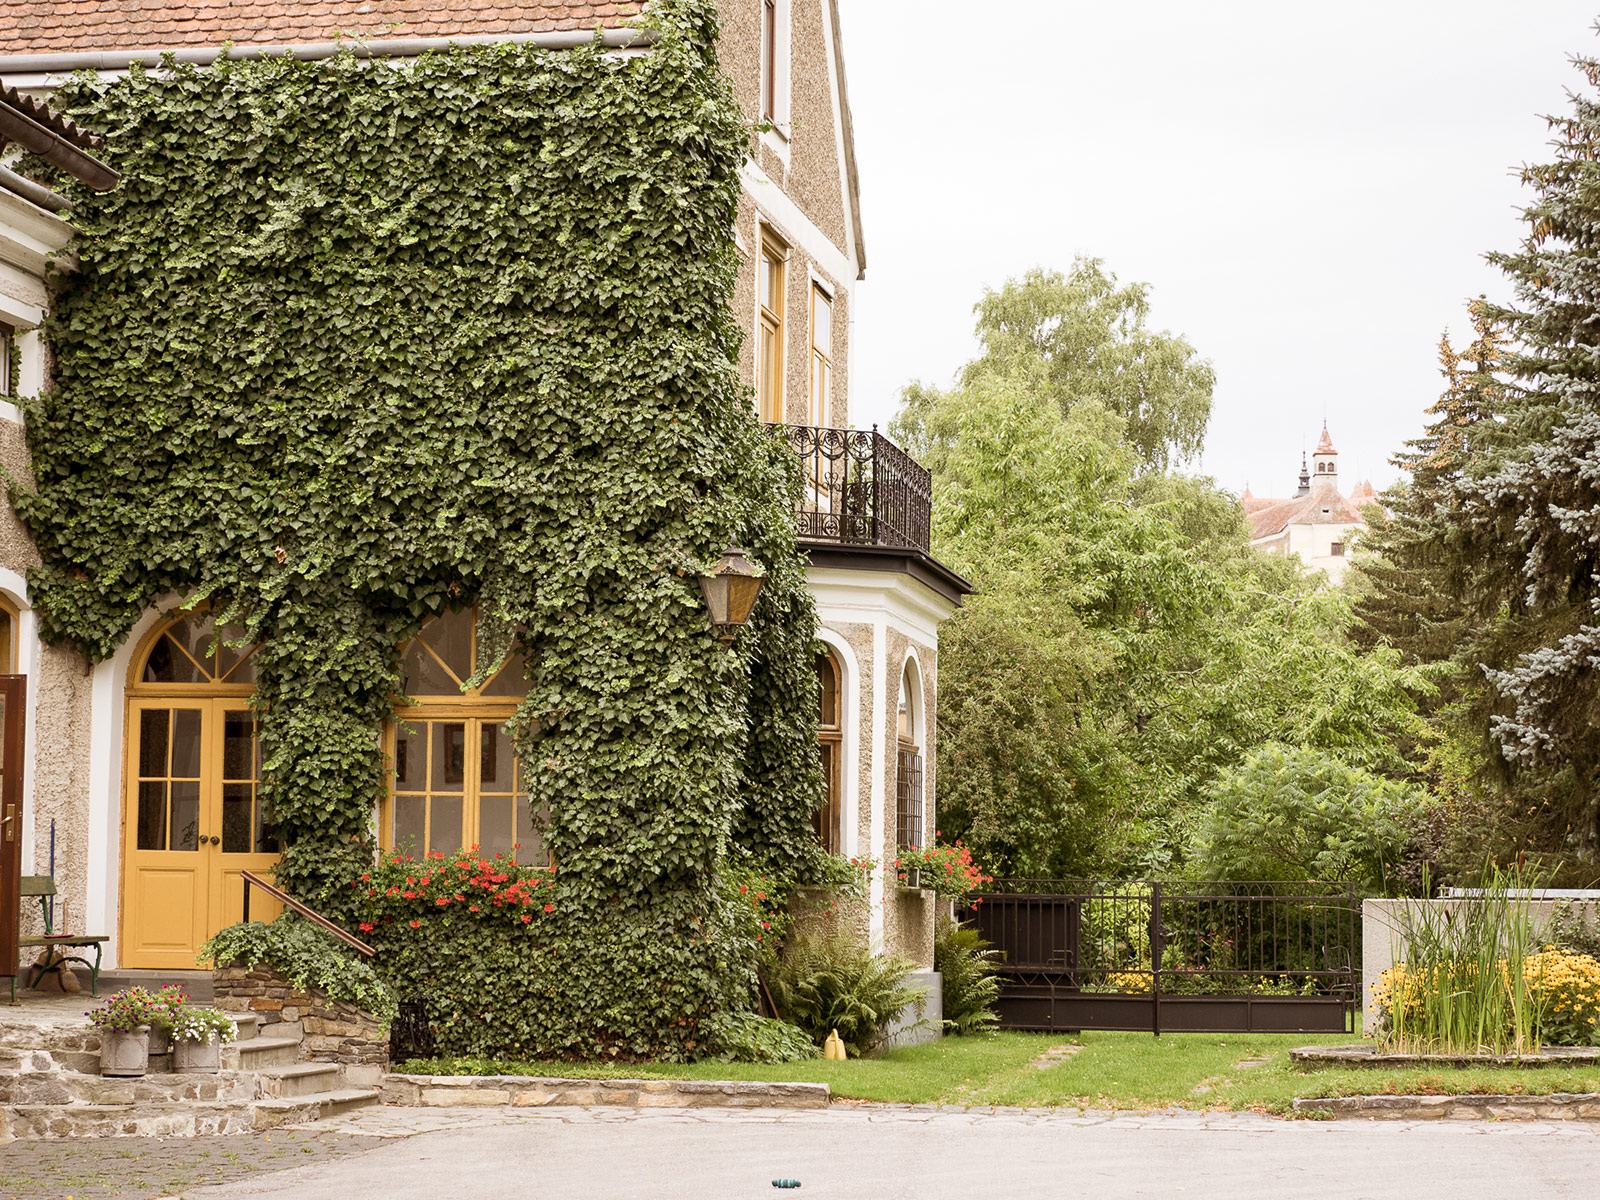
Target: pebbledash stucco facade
{"x":880,"y":596}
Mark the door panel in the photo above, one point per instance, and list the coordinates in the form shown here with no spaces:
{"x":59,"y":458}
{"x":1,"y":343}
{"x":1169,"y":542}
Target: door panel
{"x":13,"y":693}
{"x":193,"y":822}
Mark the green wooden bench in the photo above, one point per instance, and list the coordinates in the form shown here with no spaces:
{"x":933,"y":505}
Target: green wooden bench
{"x":42,"y":888}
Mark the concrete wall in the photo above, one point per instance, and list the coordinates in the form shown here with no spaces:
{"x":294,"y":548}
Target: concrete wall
{"x":1383,"y":923}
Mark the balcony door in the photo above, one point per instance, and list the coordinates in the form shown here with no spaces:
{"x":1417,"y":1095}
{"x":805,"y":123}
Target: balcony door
{"x":192,"y":817}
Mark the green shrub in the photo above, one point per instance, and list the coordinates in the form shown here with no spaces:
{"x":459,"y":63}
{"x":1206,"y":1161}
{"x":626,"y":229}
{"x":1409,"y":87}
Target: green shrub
{"x":745,"y":1037}
{"x":971,"y":987}
{"x":306,"y":957}
{"x":828,"y":983}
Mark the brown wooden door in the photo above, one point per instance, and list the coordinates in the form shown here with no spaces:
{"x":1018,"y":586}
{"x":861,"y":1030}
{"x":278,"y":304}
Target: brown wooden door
{"x":13,"y":703}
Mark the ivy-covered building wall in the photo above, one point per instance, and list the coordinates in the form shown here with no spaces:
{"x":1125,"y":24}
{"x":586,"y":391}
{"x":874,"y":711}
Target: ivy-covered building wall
{"x":364,"y":340}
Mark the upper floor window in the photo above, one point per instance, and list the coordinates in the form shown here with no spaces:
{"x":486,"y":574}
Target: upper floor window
{"x":1338,"y":550}
{"x":769,"y":60}
{"x":821,"y":354}
{"x":770,"y":290}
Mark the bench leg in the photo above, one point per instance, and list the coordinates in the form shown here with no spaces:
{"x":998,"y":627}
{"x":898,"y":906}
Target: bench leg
{"x":94,"y":972}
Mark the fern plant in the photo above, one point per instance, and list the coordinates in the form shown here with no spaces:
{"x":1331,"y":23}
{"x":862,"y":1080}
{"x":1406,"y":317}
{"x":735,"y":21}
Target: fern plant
{"x":827,"y":983}
{"x":971,"y":987}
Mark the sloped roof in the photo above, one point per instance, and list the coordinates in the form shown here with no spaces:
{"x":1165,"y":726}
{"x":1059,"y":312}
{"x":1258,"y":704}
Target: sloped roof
{"x":1363,"y":494}
{"x":1278,"y":515}
{"x":63,"y":26}
{"x":1325,"y":445}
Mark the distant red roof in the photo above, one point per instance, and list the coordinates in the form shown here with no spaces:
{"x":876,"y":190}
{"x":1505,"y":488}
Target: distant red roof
{"x":1269,"y":518}
{"x":61,"y":26}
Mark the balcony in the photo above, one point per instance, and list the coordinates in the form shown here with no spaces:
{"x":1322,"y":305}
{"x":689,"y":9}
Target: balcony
{"x":860,"y":489}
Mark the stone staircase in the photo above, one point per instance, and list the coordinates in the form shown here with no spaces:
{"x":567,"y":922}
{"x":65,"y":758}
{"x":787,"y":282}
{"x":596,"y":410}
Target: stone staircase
{"x":50,"y":1086}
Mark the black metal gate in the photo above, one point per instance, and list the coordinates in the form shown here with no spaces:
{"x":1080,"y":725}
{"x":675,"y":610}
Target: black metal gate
{"x":1185,"y":957}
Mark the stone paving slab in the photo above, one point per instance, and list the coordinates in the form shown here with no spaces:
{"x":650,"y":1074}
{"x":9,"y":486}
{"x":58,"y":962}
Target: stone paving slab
{"x":1371,"y":1056}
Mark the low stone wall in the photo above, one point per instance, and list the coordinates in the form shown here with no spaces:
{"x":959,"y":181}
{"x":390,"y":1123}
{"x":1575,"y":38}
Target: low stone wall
{"x":1558,"y":1106}
{"x":330,"y":1031}
{"x":526,"y":1091}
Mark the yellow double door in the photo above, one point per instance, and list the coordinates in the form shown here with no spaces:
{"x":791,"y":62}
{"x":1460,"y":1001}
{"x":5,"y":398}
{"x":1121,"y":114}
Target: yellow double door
{"x":192,"y":822}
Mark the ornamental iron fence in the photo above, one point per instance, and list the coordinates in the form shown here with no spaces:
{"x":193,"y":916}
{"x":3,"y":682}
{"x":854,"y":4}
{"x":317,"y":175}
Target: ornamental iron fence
{"x":1197,"y":957}
{"x":860,"y":489}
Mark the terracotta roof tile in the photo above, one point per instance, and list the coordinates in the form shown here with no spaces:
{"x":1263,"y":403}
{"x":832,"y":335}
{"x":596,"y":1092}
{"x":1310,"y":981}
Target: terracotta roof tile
{"x":63,"y":26}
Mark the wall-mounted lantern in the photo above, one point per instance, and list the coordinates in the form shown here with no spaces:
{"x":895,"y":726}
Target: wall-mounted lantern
{"x":731,"y":591}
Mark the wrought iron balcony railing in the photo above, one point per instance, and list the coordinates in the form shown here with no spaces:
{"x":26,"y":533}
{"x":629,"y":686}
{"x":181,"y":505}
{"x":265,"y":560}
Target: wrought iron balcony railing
{"x":860,"y":489}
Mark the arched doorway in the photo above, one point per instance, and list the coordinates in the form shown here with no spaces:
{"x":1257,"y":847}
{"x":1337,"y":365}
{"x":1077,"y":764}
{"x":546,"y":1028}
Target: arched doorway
{"x":454,"y":777}
{"x":192,"y":815}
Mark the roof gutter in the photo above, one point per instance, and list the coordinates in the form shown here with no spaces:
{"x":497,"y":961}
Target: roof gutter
{"x":29,"y":190}
{"x":53,"y":148}
{"x":121,"y":60}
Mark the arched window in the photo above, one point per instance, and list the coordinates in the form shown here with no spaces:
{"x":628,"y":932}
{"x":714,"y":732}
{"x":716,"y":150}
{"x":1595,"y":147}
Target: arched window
{"x":908,"y":776}
{"x":454,"y":777}
{"x":829,"y":818}
{"x":8,"y":635}
{"x":193,"y":815}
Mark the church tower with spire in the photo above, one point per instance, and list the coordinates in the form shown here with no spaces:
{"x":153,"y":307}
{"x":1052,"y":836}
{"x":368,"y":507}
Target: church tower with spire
{"x":1318,"y":523}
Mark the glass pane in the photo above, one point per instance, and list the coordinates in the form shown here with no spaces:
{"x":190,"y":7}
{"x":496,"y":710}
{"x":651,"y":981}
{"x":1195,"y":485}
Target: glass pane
{"x":828,"y":686}
{"x":496,"y":824}
{"x":444,"y":831}
{"x":498,"y":763}
{"x":769,"y":280}
{"x":410,"y":757}
{"x":410,"y":818}
{"x":822,"y":324}
{"x":423,"y":674}
{"x":168,"y":664}
{"x":185,"y":831}
{"x":512,"y":679}
{"x":185,"y":744}
{"x":153,"y":729}
{"x":237,"y":664}
{"x":8,"y":642}
{"x":194,"y":633}
{"x":238,"y":818}
{"x":265,"y":844}
{"x":238,"y":746}
{"x":449,"y":767}
{"x":530,"y":845}
{"x":152,"y":815}
{"x":451,"y":639}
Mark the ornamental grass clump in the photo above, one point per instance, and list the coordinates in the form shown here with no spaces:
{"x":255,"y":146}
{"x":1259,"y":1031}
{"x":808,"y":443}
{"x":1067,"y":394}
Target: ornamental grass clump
{"x":1453,"y":989}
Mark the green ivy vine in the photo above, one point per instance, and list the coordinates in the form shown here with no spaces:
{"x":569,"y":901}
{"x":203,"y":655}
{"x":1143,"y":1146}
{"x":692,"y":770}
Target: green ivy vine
{"x":357,"y":342}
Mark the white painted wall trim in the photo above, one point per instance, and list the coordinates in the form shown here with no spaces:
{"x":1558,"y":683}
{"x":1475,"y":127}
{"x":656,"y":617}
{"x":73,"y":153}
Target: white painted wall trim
{"x":868,"y":596}
{"x":15,"y":588}
{"x":838,"y":133}
{"x":108,"y":712}
{"x":797,"y":228}
{"x":876,"y":847}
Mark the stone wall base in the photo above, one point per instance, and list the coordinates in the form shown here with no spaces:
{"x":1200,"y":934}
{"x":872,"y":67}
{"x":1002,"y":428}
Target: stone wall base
{"x":910,"y":1028}
{"x":526,"y":1091}
{"x":1558,"y":1106}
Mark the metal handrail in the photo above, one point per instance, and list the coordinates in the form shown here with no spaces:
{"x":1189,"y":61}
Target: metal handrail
{"x":860,"y":489}
{"x":251,"y":879}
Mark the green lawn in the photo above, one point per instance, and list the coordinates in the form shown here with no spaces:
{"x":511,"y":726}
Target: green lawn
{"x":1112,"y":1070}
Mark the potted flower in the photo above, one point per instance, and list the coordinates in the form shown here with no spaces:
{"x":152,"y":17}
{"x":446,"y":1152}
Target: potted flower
{"x":124,"y":1022}
{"x":170,"y":1001}
{"x":198,"y":1035}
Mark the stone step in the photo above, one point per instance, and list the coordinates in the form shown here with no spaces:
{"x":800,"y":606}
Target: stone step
{"x":248,"y":1024}
{"x":197,"y":983}
{"x":271,"y":1113}
{"x":125,"y":1120}
{"x":260,"y":1052}
{"x":76,"y":1088}
{"x":301,"y":1079}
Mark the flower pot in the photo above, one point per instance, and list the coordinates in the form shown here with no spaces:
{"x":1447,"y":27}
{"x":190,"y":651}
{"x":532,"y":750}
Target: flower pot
{"x":913,"y":877}
{"x":125,"y":1051}
{"x":191,"y":1057}
{"x":160,"y":1043}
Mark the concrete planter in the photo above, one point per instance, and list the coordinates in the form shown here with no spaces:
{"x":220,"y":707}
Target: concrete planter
{"x":191,"y":1057}
{"x":125,"y":1052}
{"x":160,"y":1042}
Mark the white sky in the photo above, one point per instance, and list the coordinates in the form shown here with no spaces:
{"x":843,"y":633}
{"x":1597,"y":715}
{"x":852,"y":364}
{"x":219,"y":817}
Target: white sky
{"x":1308,"y":189}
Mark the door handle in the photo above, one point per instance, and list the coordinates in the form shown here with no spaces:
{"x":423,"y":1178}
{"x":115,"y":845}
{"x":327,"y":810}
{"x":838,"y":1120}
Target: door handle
{"x":10,"y":818}
{"x":215,"y":840}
